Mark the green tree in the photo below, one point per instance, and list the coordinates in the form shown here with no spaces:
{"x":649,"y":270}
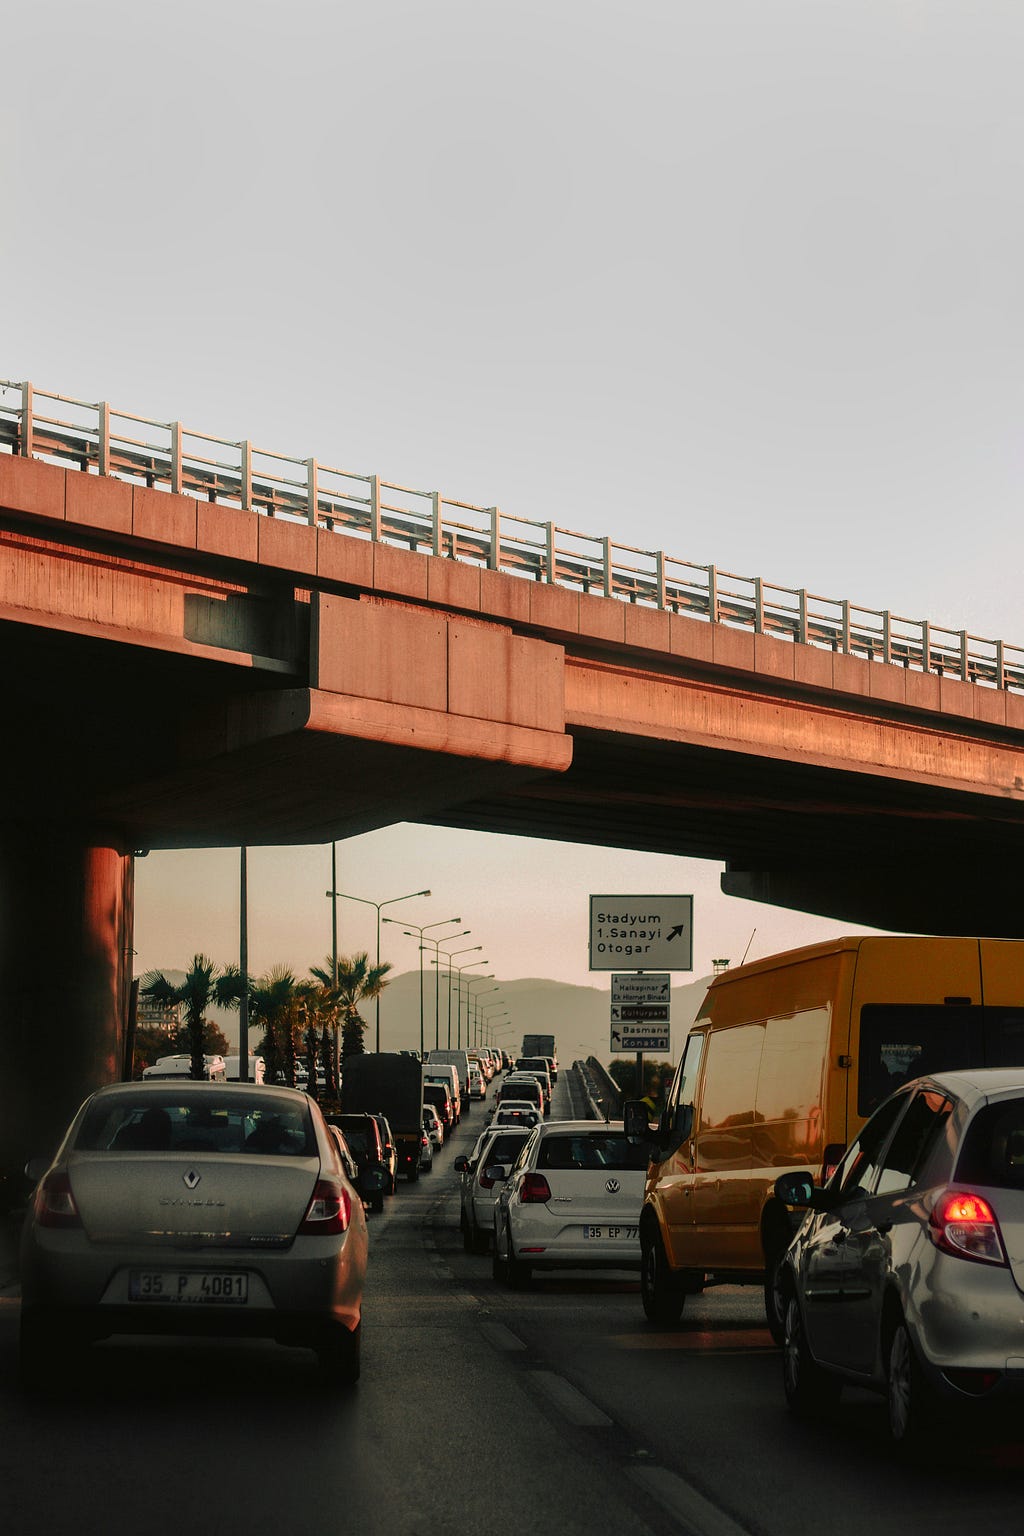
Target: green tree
{"x":657,"y":1078}
{"x":358,"y":982}
{"x":273,"y":1007}
{"x":203,"y":987}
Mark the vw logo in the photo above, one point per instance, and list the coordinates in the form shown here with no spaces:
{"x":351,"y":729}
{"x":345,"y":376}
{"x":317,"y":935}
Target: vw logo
{"x":191,"y":1179}
{"x":612,"y":1186}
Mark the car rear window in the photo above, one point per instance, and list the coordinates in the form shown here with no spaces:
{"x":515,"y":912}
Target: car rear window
{"x":993,"y":1148}
{"x":183,"y":1121}
{"x":595,"y":1150}
{"x":503,"y":1147}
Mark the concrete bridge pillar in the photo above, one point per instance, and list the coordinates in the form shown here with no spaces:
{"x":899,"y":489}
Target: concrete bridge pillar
{"x":66,"y":914}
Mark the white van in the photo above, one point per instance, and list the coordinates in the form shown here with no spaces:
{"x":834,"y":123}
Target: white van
{"x":438,"y":1072}
{"x":181,"y":1066}
{"x":457,"y":1059}
{"x":257,"y":1069}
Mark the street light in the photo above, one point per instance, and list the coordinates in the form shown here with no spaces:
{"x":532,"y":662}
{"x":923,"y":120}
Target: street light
{"x":335,"y":894}
{"x":470,"y":949}
{"x":471,"y":1001}
{"x":487,"y":1010}
{"x":465,"y":966}
{"x":437,"y":979}
{"x":421,"y":931}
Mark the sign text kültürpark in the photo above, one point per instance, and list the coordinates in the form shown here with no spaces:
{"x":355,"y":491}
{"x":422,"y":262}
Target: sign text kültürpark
{"x":641,"y":933}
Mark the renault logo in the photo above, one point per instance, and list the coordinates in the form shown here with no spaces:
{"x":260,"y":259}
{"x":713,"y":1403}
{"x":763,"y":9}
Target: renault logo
{"x":612,"y":1186}
{"x":192,"y":1179}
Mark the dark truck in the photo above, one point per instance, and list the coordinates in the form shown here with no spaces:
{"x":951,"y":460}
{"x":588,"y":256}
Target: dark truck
{"x":390,"y":1084}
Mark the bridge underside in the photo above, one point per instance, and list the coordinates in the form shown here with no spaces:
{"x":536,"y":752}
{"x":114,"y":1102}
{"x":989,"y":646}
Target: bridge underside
{"x":180,"y":675}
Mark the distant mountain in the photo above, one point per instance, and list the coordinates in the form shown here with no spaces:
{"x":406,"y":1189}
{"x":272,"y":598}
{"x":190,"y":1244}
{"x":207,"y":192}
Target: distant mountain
{"x":578,"y":1017}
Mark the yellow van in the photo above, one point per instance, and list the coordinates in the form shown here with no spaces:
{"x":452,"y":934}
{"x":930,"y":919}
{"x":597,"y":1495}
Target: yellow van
{"x":786,"y":1060}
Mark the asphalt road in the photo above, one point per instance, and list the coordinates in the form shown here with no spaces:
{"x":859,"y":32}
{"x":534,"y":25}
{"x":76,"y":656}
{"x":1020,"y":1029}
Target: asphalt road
{"x":479,"y":1408}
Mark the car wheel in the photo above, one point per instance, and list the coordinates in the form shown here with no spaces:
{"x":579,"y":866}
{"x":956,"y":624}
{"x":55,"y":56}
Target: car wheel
{"x":807,"y":1387}
{"x":518,"y":1274}
{"x":774,"y":1297}
{"x":499,"y":1264}
{"x":339,"y":1357}
{"x":414,"y":1173}
{"x":480,"y":1239}
{"x":46,"y":1347}
{"x":662,"y":1293}
{"x":377,"y":1201}
{"x":910,"y":1402}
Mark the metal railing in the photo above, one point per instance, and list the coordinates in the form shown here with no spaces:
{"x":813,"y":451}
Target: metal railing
{"x":101,"y":440}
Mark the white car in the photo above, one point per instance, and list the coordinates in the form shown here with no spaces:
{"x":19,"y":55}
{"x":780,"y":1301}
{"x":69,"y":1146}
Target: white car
{"x":433,"y":1126}
{"x":497,"y":1145}
{"x":571,"y":1201}
{"x":517,"y":1112}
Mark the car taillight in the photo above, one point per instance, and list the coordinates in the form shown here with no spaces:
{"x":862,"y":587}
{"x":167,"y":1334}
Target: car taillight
{"x":328,"y":1212}
{"x":964,"y":1224}
{"x":54,"y":1203}
{"x":534,"y":1190}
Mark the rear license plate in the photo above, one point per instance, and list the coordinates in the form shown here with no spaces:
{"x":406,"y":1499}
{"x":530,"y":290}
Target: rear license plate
{"x":621,"y":1234}
{"x":189,"y":1287}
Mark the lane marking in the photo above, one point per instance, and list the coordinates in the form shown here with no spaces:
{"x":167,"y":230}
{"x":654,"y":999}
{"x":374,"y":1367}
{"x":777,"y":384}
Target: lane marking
{"x":674,"y":1493}
{"x":501,"y":1337}
{"x":741,"y":1341}
{"x":579,"y":1410}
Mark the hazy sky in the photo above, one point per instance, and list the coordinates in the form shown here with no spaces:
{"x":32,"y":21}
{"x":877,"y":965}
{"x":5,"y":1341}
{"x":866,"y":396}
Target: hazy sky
{"x":740,"y":281}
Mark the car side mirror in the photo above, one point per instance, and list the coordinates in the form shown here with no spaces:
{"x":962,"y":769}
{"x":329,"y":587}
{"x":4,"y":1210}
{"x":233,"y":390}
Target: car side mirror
{"x":795,"y":1189}
{"x":35,"y":1168}
{"x":461,"y":1164}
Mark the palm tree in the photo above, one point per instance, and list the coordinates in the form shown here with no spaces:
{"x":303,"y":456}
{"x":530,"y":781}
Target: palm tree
{"x":202,"y":987}
{"x":358,"y":981}
{"x":272,"y":1004}
{"x":327,"y":1008}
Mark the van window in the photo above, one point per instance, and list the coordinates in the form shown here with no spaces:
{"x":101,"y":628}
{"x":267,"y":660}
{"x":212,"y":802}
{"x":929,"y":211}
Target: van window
{"x":727,"y":1101}
{"x":901,"y":1041}
{"x":686,"y":1073}
{"x":789,"y":1089}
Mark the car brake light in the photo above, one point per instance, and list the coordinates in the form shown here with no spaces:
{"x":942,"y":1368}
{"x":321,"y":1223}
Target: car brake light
{"x":964,"y":1224}
{"x":534,"y":1190}
{"x":328,"y":1212}
{"x":54,"y":1203}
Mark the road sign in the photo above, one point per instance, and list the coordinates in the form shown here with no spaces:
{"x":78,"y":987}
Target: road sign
{"x":653,"y":988}
{"x":648,"y":1013}
{"x":646,"y":933}
{"x":631,"y":1038}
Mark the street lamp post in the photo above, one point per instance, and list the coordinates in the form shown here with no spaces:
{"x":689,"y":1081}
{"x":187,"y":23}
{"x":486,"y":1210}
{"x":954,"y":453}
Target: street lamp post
{"x":471,"y":1001}
{"x":486,"y":1011}
{"x":470,"y":949}
{"x":420,"y":932}
{"x":437,"y":978}
{"x":335,"y":894}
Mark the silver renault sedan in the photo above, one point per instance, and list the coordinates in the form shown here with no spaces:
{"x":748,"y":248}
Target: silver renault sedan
{"x":907,"y":1274}
{"x":194,"y":1208}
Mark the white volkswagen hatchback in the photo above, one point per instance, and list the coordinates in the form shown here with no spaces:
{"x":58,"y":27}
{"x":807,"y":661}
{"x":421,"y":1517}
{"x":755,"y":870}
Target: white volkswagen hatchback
{"x":571,"y":1201}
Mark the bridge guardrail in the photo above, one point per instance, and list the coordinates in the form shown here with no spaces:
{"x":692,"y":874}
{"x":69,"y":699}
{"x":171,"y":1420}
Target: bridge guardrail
{"x":102,"y":440}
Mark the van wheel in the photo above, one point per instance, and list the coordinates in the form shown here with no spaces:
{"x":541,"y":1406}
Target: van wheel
{"x":662,"y":1293}
{"x":807,"y":1387}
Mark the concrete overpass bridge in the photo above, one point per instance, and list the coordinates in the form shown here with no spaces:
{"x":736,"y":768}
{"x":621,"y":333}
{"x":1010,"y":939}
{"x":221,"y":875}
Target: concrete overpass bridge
{"x":211,"y":644}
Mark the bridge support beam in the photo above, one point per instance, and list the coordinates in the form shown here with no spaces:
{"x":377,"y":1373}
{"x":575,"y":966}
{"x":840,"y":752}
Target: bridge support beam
{"x":66,"y":912}
{"x":983,"y":895}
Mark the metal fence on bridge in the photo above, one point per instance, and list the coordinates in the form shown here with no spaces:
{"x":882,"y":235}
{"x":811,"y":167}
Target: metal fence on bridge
{"x":97,"y":438}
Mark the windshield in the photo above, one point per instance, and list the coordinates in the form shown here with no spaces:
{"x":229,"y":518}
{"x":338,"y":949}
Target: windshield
{"x":183,"y":1120}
